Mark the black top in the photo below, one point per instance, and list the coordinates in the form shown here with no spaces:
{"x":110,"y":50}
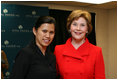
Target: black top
{"x":30,"y":63}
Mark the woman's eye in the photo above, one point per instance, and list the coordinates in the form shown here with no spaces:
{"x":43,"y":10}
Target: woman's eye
{"x":74,"y":24}
{"x":52,"y":32}
{"x":82,"y":25}
{"x":44,"y":31}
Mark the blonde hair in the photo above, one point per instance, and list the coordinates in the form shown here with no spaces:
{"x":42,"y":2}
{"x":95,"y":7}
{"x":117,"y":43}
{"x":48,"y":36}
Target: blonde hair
{"x":77,"y":14}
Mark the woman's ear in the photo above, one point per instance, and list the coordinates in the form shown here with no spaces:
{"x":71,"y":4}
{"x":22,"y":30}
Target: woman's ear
{"x":34,"y":31}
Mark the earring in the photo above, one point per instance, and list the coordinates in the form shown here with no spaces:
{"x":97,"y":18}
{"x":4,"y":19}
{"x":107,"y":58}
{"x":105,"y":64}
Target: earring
{"x":87,"y":32}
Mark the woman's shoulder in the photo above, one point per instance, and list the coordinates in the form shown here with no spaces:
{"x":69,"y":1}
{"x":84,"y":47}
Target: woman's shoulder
{"x":26,"y":51}
{"x":23,"y":56}
{"x":60,"y":46}
{"x":95,"y":48}
{"x":59,"y":49}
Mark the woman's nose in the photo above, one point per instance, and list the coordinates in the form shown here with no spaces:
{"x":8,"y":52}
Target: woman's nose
{"x":47,"y":35}
{"x":78,"y":27}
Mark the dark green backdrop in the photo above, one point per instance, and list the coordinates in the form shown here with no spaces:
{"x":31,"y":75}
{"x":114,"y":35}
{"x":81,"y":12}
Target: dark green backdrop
{"x":16,"y":27}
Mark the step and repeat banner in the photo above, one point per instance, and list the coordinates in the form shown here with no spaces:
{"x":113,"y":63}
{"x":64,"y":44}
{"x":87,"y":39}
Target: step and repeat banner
{"x":17,"y":22}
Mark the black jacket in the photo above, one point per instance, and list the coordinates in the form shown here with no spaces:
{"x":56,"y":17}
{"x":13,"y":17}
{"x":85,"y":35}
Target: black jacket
{"x":30,"y":63}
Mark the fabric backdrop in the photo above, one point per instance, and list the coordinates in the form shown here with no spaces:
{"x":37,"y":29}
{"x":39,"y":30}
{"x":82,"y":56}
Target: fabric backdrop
{"x":17,"y":22}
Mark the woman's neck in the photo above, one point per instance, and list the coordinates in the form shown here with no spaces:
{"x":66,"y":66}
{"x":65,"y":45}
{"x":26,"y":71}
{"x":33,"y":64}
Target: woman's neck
{"x":43,"y":49}
{"x":77,"y":43}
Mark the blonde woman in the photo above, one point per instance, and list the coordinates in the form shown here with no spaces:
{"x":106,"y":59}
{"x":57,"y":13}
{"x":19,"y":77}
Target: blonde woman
{"x":77,"y":58}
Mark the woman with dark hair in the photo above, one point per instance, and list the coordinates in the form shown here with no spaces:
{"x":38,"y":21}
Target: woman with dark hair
{"x":35,"y":61}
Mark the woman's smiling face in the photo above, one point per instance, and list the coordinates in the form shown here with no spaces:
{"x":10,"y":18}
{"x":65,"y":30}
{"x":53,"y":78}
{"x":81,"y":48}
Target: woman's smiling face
{"x":44,"y":34}
{"x":79,"y":28}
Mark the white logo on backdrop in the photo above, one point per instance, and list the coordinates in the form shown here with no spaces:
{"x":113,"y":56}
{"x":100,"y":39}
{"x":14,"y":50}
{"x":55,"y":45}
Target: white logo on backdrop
{"x":6,"y":42}
{"x":5,"y":11}
{"x":7,"y":45}
{"x":20,"y":27}
{"x":33,"y":12}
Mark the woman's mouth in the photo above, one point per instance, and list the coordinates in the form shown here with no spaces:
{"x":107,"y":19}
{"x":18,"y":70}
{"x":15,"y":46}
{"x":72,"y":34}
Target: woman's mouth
{"x":78,"y":33}
{"x":46,"y":40}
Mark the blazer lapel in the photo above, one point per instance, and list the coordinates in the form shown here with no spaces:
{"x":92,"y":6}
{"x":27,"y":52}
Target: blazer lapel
{"x":80,"y":53}
{"x":72,"y":54}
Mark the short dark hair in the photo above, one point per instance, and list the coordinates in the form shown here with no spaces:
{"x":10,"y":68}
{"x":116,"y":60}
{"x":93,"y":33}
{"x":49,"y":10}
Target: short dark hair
{"x":44,"y":19}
